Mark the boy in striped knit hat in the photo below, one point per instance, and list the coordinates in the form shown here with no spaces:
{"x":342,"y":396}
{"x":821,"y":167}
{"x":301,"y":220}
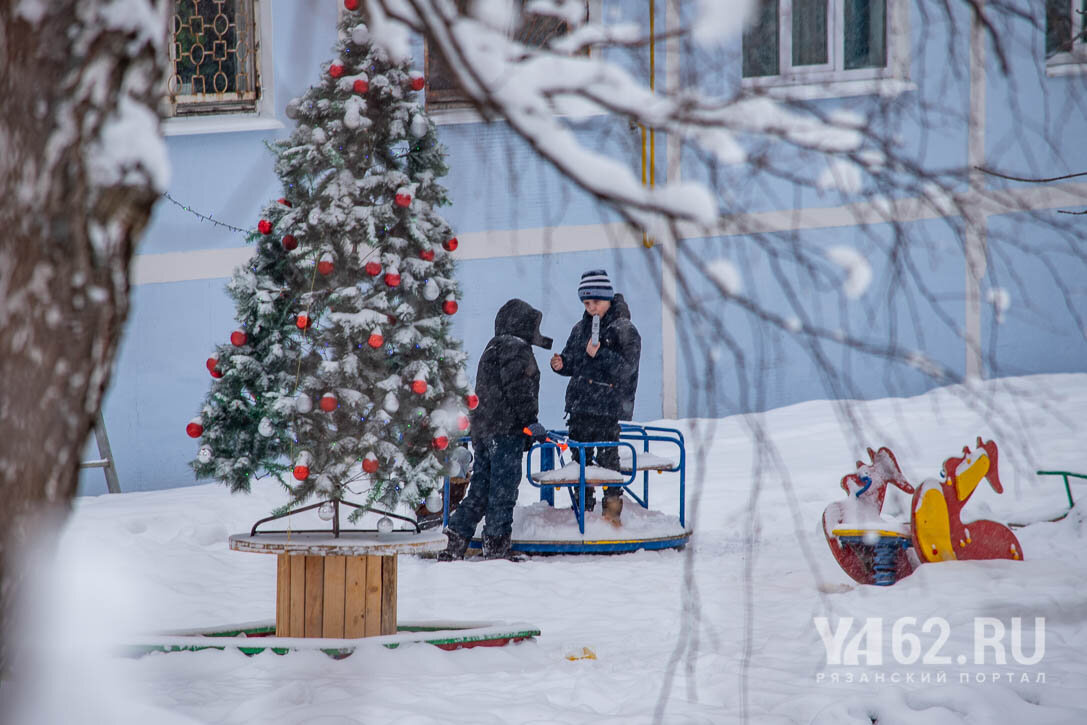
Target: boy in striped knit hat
{"x":603,"y":372}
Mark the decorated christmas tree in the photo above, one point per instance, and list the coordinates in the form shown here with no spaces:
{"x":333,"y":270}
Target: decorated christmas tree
{"x":343,"y":378}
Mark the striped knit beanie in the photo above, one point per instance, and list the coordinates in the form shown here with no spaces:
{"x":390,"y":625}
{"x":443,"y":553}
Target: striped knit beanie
{"x":595,"y":285}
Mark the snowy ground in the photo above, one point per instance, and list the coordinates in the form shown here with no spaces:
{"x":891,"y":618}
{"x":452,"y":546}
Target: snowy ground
{"x":668,"y":628}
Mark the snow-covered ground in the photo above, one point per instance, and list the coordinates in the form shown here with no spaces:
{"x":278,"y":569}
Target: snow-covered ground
{"x":668,"y":629}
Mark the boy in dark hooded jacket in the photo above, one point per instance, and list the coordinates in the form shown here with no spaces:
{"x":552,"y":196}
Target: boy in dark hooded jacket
{"x":603,"y":378}
{"x":508,"y":386}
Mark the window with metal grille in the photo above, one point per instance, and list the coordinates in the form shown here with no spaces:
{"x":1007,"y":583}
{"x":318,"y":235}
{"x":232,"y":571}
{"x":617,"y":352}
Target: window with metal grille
{"x":1066,"y":31}
{"x":213,"y":57}
{"x":442,"y":89}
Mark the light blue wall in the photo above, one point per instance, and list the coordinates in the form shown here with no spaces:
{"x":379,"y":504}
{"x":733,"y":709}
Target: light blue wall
{"x":498,"y":185}
{"x":752,"y":364}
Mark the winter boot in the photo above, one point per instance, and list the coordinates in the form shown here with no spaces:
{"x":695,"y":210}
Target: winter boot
{"x":454,"y":550}
{"x":612,"y":510}
{"x":498,"y":547}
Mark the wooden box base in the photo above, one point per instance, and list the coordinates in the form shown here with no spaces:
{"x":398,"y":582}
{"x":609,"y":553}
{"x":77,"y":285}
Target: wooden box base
{"x":335,"y":596}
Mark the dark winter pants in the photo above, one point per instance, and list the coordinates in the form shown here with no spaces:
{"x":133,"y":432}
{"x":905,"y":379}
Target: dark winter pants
{"x":586,"y":428}
{"x":493,"y":490}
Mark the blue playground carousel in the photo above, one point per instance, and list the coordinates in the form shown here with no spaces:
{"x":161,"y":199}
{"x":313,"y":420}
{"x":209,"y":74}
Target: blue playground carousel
{"x":649,"y":457}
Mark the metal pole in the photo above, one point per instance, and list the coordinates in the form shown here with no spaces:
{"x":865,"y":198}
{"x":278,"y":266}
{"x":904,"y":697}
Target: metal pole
{"x":112,"y":484}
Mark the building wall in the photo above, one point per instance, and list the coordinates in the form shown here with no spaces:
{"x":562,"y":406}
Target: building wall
{"x":525,"y":232}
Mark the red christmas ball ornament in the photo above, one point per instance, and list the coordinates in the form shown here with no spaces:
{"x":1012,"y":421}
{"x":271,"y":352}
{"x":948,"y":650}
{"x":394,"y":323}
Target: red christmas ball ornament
{"x":427,"y":255}
{"x":361,"y":85}
{"x":324,"y":267}
{"x":194,"y":428}
{"x":335,"y":70}
{"x":392,"y":279}
{"x":417,"y":83}
{"x":212,"y":362}
{"x":216,"y":373}
{"x":303,"y":321}
{"x":418,"y":386}
{"x":289,"y":242}
{"x":284,"y":202}
{"x":301,"y":473}
{"x":473,"y":401}
{"x":450,"y":244}
{"x":373,"y":269}
{"x":328,"y":402}
{"x":462,"y":422}
{"x":370,"y":465}
{"x":403,"y":199}
{"x":264,"y":226}
{"x":441,"y":442}
{"x":376,"y":340}
{"x":450,"y":307}
{"x":351,"y":5}
{"x":238,"y":338}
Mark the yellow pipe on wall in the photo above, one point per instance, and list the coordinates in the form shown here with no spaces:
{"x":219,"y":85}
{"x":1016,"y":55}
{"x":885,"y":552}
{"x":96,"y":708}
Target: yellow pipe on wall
{"x":652,"y":165}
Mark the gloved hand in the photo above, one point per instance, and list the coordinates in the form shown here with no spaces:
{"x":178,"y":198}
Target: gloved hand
{"x":538,"y":432}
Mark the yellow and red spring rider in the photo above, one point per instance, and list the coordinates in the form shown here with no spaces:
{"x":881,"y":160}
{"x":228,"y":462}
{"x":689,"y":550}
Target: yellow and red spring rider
{"x":876,"y":549}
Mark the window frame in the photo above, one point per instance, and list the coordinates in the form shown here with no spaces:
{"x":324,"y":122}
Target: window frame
{"x":455,"y":108}
{"x":262,"y":116}
{"x":1072,"y":61}
{"x":833,"y":79}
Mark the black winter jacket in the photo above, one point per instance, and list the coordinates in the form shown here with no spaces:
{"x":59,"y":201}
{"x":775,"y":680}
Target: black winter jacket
{"x":603,"y":385}
{"x":508,"y":379}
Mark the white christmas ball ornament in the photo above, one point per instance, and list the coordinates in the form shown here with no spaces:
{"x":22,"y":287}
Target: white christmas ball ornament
{"x":434,"y":501}
{"x":292,"y":109}
{"x":204,"y":455}
{"x":303,"y":404}
{"x":360,"y":34}
{"x":384,"y":525}
{"x":392,"y":403}
{"x":265,"y":428}
{"x":325,"y":511}
{"x":431,"y":291}
{"x":319,"y":136}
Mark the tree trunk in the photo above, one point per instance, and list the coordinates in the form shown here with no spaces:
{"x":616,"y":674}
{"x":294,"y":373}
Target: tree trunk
{"x":81,"y":164}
